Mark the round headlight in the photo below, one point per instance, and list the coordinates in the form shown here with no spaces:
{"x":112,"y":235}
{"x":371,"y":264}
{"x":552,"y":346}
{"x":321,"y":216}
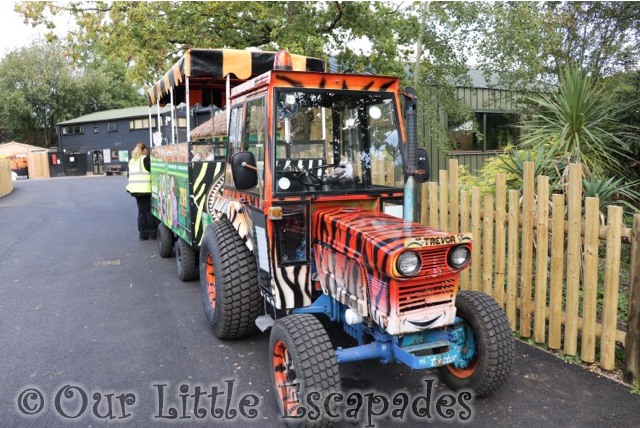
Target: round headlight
{"x":459,"y":256}
{"x":408,"y":263}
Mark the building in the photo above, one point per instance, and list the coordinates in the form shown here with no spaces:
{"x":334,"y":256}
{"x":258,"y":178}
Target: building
{"x":496,"y":113}
{"x":108,"y":137}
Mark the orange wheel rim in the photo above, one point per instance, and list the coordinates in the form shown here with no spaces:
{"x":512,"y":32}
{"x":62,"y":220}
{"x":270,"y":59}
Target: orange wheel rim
{"x":465,"y":372}
{"x":211,"y":281}
{"x":286,"y":378}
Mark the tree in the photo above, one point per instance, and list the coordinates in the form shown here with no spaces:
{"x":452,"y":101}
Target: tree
{"x":528,"y":42}
{"x":155,"y":34}
{"x":39,"y":87}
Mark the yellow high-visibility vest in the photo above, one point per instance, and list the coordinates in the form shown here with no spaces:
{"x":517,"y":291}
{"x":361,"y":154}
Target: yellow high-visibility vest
{"x":139,"y":178}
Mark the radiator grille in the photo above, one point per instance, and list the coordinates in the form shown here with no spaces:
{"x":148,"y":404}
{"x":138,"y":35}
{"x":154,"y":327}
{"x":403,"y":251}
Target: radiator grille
{"x":426,"y":293}
{"x":433,"y":259}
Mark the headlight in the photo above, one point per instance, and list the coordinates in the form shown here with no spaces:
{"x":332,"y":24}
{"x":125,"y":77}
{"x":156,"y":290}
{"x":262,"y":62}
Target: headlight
{"x":459,"y":256}
{"x":408,"y":263}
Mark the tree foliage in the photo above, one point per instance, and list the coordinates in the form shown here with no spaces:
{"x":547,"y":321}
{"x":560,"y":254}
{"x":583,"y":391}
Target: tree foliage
{"x":526,"y":42}
{"x":155,"y":34}
{"x":39,"y":87}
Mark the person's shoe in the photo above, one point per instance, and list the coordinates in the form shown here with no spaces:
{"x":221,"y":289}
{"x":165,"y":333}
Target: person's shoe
{"x":143,"y":237}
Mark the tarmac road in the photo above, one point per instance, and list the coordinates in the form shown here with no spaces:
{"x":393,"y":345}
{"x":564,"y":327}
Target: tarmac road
{"x":84,"y":303}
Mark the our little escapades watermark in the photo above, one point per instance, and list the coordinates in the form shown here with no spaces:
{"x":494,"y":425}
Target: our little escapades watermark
{"x":223,"y":401}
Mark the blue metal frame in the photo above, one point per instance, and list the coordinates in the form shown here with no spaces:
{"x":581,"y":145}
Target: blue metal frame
{"x":457,"y":338}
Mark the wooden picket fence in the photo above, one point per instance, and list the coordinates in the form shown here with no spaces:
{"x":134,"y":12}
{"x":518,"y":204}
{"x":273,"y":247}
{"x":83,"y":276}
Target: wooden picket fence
{"x":6,"y":183}
{"x":535,"y":253}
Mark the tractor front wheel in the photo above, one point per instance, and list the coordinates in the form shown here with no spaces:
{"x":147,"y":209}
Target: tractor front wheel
{"x":489,"y":368}
{"x":303,"y":361}
{"x":229,"y":282}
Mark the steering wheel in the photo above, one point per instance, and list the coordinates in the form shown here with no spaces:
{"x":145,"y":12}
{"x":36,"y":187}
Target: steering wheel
{"x":314,"y":180}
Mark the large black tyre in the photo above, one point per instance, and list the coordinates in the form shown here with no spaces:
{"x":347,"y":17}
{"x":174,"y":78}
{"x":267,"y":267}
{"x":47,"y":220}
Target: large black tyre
{"x":165,"y":241}
{"x":229,"y":281}
{"x":186,"y":261}
{"x":303,"y":361}
{"x":494,"y":343}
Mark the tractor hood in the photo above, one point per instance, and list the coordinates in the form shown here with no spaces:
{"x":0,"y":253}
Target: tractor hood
{"x":375,"y":238}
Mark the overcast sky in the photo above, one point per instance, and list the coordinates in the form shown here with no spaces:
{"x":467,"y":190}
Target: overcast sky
{"x":15,"y":33}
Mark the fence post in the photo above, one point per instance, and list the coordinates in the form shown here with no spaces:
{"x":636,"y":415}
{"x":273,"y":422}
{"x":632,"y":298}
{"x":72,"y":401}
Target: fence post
{"x":632,"y":348}
{"x":611,"y":288}
{"x":476,"y":267}
{"x":514,"y":248}
{"x":453,"y":196}
{"x":542,"y":249}
{"x":501,"y":199}
{"x":574,"y":216}
{"x":444,"y":201}
{"x":487,"y":245}
{"x":590,"y":286}
{"x":555,"y":282}
{"x":464,"y":227}
{"x":433,"y":204}
{"x":527,"y":250}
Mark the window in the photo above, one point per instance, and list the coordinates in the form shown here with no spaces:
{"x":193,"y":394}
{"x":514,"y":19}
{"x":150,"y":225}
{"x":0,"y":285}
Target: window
{"x":72,"y":130}
{"x":254,"y":131}
{"x":182,"y":122}
{"x":336,"y":141}
{"x":497,"y":131}
{"x":95,"y":128}
{"x":141,"y":123}
{"x":235,"y":138}
{"x":112,"y":126}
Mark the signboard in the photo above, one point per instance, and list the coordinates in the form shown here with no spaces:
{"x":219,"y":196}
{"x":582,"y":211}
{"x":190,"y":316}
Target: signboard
{"x":106,"y":155}
{"x":123,"y":156}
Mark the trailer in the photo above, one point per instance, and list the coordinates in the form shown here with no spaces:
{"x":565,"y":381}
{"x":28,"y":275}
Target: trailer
{"x":306,"y":216}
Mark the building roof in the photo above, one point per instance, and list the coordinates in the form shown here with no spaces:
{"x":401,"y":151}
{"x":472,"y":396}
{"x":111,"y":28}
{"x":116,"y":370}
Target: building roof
{"x":121,"y":113}
{"x":11,"y":144}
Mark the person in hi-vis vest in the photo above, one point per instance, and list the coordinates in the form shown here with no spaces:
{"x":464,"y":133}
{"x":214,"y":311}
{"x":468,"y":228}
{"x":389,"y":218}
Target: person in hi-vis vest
{"x":139,"y":186}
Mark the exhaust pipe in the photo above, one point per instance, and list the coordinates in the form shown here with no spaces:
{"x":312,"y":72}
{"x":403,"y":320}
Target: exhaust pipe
{"x":411,"y":128}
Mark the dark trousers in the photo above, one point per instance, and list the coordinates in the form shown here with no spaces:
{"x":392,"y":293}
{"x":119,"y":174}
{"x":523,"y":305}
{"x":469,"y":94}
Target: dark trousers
{"x":147,"y":223}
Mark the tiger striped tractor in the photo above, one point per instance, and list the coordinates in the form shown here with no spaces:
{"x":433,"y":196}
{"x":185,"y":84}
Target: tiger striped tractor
{"x":305,"y":213}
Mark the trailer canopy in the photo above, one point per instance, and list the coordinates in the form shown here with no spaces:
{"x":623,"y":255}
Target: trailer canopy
{"x":206,"y":70}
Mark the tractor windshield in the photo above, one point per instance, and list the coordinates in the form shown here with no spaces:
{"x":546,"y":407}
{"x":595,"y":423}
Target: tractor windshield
{"x":336,"y":141}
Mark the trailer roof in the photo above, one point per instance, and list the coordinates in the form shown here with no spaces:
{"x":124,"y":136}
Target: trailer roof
{"x":207,"y":69}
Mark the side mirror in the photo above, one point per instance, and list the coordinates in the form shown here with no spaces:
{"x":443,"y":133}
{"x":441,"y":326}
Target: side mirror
{"x":244,"y":170}
{"x":422,"y":166}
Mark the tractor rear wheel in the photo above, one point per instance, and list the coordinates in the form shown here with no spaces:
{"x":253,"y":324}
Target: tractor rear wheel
{"x":490,"y":366}
{"x":165,"y":241}
{"x":229,"y":281}
{"x":303,"y":361}
{"x":186,"y":261}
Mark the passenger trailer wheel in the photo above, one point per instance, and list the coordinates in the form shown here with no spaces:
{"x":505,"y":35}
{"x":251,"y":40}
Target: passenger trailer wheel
{"x":165,"y":241}
{"x":229,"y":281}
{"x":186,"y":261}
{"x":494,"y":344}
{"x":303,"y":361}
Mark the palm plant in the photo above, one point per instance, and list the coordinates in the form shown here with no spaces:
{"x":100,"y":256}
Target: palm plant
{"x":612,"y":191}
{"x":579,"y":123}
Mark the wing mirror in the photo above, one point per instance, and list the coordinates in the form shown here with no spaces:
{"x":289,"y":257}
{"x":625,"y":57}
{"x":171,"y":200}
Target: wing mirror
{"x":244,"y":170}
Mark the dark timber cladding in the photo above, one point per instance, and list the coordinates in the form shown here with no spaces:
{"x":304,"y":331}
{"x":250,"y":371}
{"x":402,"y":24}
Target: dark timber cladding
{"x":215,"y":65}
